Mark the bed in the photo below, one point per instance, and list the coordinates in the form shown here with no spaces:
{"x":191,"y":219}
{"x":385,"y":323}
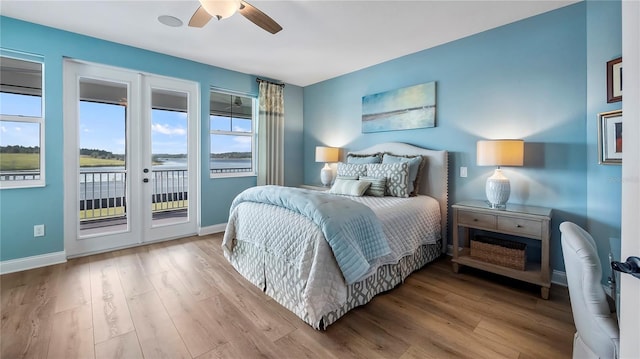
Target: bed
{"x":290,"y":254}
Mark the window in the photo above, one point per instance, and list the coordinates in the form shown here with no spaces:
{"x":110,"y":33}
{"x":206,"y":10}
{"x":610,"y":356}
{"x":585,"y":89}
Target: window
{"x":232,"y":135}
{"x":21,"y":121}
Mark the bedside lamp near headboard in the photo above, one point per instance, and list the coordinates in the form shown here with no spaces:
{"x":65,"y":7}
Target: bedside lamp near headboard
{"x":499,"y":153}
{"x":326,"y":155}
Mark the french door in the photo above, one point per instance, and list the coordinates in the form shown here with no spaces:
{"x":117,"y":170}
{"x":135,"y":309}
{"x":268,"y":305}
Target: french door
{"x":130,"y":158}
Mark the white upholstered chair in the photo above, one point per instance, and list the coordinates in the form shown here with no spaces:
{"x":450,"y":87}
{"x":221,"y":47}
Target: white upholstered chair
{"x":597,"y":335}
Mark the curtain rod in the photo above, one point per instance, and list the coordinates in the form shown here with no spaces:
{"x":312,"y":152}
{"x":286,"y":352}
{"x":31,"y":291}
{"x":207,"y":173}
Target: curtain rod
{"x":258,"y":80}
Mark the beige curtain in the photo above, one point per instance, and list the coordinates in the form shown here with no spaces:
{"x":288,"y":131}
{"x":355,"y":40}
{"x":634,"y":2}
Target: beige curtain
{"x":271,"y":134}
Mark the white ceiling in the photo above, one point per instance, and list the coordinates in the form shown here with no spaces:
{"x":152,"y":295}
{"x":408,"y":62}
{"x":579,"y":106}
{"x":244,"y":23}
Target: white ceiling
{"x":321,"y":39}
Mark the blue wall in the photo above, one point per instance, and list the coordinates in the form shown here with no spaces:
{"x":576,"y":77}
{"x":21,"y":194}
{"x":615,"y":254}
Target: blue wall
{"x":524,"y":80}
{"x":540,"y":79}
{"x":604,"y":184}
{"x":21,"y":209}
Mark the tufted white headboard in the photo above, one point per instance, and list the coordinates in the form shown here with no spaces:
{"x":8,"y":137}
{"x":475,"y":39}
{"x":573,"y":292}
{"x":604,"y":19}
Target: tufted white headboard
{"x":434,"y":181}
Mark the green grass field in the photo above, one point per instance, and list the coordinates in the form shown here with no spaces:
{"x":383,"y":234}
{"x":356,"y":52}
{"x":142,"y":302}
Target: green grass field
{"x":86,"y":161}
{"x":30,"y":161}
{"x":19,"y":161}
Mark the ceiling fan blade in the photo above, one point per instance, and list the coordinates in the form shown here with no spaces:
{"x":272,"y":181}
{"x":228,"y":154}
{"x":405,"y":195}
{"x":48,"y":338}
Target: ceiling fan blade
{"x":259,"y":18}
{"x":200,"y":18}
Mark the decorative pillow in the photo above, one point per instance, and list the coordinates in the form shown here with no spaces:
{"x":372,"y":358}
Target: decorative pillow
{"x":416,"y":163}
{"x":349,"y":187}
{"x":397,"y":175}
{"x":377,"y":186}
{"x":364,"y":159}
{"x":351,"y":170}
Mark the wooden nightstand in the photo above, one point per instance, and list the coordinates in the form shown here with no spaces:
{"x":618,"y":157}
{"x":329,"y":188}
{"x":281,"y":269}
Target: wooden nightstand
{"x":315,"y":187}
{"x":515,"y":220}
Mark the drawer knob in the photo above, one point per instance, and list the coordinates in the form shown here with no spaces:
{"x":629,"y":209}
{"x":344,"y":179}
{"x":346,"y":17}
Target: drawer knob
{"x":475,"y":220}
{"x":518,"y":226}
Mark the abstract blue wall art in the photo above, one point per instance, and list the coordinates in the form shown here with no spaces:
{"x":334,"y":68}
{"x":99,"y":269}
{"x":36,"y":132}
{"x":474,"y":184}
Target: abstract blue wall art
{"x":402,"y":109}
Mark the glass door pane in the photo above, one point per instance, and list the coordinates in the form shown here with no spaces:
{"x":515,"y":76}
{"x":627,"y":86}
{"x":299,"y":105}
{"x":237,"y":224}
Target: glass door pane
{"x":103,"y":167}
{"x":169,"y":157}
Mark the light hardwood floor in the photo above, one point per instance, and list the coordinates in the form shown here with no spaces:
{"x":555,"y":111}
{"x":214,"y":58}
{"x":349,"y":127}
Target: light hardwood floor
{"x":181,"y":299}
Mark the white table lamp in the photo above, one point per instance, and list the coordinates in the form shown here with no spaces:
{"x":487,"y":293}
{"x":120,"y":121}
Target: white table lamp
{"x":499,"y":153}
{"x":326,"y":155}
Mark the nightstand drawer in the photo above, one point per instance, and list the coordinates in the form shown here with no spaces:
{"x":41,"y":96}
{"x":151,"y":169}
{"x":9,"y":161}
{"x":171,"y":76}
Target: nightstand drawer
{"x":521,"y":226}
{"x":477,"y":219}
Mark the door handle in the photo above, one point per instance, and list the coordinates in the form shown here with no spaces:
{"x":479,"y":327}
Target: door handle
{"x":631,"y":266}
{"x":146,"y":170}
{"x":145,"y":180}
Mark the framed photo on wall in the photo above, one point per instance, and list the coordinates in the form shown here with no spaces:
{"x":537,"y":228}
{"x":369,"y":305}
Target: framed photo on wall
{"x":614,"y":80}
{"x":610,"y":137}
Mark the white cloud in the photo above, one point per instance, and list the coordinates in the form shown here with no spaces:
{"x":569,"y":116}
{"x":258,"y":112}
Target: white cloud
{"x":168,"y":130}
{"x":3,"y":129}
{"x":242,"y":139}
{"x":241,"y":129}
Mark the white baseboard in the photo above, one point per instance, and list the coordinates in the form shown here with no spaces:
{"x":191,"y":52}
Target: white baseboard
{"x":450,"y":250}
{"x":21,"y":264}
{"x":42,"y":260}
{"x":216,"y":228}
{"x":557,"y":277}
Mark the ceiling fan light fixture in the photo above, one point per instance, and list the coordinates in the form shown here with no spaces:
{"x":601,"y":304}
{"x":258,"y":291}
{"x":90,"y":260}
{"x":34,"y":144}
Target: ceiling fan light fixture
{"x":221,"y":9}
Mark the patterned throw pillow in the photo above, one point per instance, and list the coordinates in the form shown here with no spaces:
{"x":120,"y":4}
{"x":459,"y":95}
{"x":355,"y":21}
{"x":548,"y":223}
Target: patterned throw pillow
{"x":349,"y":187}
{"x":351,"y":170}
{"x":377,"y":186}
{"x":397,"y":175}
{"x":416,"y":164}
{"x":364,"y":159}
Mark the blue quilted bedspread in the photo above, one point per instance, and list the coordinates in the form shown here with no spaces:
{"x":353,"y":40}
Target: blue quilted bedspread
{"x":351,"y":228}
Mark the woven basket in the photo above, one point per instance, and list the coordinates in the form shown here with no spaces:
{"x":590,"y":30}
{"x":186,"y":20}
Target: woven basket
{"x":499,"y":251}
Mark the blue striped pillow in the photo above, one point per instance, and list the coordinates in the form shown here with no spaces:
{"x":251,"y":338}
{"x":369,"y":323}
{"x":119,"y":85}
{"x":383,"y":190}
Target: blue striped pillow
{"x":377,"y":186}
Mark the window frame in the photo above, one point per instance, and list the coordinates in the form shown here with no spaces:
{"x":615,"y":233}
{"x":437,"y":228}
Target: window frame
{"x":41,"y":182}
{"x":252,"y":134}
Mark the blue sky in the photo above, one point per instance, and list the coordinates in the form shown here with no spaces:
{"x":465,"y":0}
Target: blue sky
{"x":102,"y":126}
{"x":230,"y":143}
{"x":19,"y":133}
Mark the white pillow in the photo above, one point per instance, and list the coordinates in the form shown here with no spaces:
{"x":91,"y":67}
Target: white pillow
{"x":349,"y":187}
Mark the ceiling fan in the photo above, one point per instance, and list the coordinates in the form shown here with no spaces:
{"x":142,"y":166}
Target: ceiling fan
{"x":222,"y":9}
{"x":237,"y":103}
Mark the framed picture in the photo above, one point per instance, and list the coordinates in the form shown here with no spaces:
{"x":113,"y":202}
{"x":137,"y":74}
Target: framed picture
{"x":614,"y":80}
{"x":610,"y":137}
{"x":403,"y":109}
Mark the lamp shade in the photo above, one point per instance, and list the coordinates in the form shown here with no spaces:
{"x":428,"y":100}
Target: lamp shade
{"x":327,"y":154}
{"x":500,"y":153}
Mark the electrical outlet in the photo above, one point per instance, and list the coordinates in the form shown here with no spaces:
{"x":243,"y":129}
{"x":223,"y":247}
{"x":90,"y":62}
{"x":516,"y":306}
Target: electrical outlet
{"x":38,"y":230}
{"x":463,"y":171}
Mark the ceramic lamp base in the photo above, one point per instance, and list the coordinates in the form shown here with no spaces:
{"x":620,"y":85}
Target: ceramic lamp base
{"x":498,"y":190}
{"x":326,"y":175}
